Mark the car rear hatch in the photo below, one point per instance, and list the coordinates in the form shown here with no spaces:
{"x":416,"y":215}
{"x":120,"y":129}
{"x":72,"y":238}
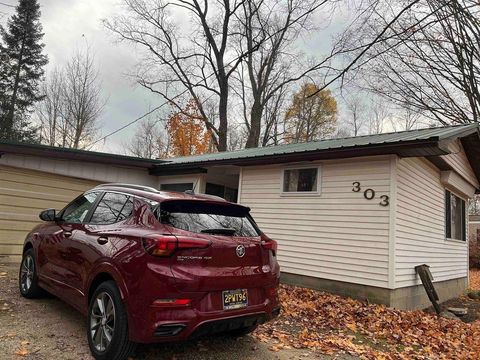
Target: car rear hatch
{"x":228,"y":251}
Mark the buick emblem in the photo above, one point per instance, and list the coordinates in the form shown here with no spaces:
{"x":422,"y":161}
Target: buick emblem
{"x":240,"y":251}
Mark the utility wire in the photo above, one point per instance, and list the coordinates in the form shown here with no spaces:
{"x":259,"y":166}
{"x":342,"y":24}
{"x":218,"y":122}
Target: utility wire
{"x":206,"y":78}
{"x":130,"y":123}
{"x":12,"y":6}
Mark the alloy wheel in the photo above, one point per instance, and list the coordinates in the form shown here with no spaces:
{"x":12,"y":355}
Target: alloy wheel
{"x":102,"y":321}
{"x":27,"y":272}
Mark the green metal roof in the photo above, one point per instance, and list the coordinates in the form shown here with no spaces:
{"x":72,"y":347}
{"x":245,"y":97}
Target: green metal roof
{"x":409,"y":141}
{"x":436,"y":134}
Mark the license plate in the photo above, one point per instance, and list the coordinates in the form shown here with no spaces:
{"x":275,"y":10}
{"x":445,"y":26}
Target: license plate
{"x":235,"y":299}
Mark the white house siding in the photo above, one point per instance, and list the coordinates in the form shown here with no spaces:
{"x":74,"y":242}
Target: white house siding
{"x":81,"y":169}
{"x":337,"y":235}
{"x":459,"y":162}
{"x":420,"y":226}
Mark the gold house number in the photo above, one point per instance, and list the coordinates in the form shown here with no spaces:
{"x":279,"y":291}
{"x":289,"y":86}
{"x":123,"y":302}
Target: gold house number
{"x":369,"y":194}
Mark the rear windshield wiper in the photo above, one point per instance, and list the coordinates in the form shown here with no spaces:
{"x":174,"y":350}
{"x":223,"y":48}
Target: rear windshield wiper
{"x":221,"y":231}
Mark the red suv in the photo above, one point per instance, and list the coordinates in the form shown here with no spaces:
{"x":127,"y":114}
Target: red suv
{"x":151,"y":266}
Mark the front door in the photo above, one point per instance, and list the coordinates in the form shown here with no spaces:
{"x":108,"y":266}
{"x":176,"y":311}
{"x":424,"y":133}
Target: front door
{"x":94,"y":240}
{"x":56,"y":248}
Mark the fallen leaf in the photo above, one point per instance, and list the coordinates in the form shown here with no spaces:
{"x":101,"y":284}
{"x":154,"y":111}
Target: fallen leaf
{"x":22,"y":352}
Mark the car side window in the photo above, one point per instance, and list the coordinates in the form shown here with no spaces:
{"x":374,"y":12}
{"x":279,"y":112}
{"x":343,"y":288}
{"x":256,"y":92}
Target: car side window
{"x":77,"y":210}
{"x":127,"y":210}
{"x":112,"y":208}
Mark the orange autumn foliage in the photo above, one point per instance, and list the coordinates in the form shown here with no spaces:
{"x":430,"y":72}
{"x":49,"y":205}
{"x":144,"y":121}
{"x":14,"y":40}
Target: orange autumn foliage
{"x":187,"y":132}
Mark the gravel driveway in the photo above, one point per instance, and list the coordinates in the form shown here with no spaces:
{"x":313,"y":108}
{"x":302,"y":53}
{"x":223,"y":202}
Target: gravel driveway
{"x":47,"y":328}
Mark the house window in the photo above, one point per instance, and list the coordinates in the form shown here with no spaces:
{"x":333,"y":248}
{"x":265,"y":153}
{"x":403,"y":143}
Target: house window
{"x":454,"y":216}
{"x":180,"y":187}
{"x":225,"y":192}
{"x":302,"y":180}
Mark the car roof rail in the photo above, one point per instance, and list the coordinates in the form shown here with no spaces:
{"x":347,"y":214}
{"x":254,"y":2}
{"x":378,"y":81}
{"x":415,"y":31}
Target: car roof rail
{"x":208,"y":196}
{"x":129,"y":186}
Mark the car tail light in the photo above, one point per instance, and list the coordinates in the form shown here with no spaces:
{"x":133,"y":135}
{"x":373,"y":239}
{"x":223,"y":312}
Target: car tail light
{"x":272,"y":292}
{"x":269,"y":244}
{"x":166,"y":245}
{"x":172,"y":302}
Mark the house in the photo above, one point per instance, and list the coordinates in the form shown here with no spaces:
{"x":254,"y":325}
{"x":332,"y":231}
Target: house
{"x":352,"y":216}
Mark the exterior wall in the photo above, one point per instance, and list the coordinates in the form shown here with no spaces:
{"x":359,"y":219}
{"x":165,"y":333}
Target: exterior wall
{"x":459,"y":162}
{"x":410,"y":297}
{"x":336,"y":235}
{"x":215,"y":175}
{"x":198,"y":181}
{"x":415,"y":297}
{"x":420,"y":226}
{"x":80,"y":169}
{"x":23,"y":194}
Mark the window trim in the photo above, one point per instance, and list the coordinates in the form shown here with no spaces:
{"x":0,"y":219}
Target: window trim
{"x":448,"y":220}
{"x":317,"y":192}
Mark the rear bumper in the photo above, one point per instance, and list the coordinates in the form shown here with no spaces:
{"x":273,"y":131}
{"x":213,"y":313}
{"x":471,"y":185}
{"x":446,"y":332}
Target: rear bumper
{"x":211,"y":327}
{"x":148,"y":322}
{"x":198,"y":324}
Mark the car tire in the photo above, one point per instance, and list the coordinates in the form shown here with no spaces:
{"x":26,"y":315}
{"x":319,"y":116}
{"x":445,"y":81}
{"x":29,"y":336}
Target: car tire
{"x":28,"y":276}
{"x":100,"y":325}
{"x":243,"y":331}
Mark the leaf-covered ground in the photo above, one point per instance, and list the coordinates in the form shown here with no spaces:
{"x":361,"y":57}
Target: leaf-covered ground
{"x":475,"y":279}
{"x":329,"y":323}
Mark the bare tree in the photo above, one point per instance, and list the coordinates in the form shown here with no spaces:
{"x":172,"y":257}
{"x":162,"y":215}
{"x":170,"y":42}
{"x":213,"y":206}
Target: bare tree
{"x":270,"y":30}
{"x":232,"y":41}
{"x":180,"y":63}
{"x":379,"y":113}
{"x":429,"y":61}
{"x":342,"y":132}
{"x":49,"y":111}
{"x":83,"y":99}
{"x":406,"y":119}
{"x":273,"y":118}
{"x":149,"y":141}
{"x":357,"y":114}
{"x":72,"y":105}
{"x":236,"y":137}
{"x":197,"y":65}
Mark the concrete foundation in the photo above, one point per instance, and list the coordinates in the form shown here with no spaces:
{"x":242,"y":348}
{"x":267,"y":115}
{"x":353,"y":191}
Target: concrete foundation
{"x":407,"y":298}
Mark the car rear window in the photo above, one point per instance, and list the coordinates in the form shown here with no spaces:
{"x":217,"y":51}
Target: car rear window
{"x":208,"y":218}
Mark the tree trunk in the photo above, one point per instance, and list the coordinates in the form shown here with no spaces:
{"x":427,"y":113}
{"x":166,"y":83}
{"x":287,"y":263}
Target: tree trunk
{"x":255,"y":125}
{"x":222,"y":115}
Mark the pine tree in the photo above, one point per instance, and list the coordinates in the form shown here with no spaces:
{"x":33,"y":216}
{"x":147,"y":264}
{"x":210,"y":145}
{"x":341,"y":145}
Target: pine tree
{"x":21,"y":70}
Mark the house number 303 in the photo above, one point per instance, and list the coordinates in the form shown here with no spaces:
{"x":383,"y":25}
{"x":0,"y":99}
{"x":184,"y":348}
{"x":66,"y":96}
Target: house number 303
{"x":369,"y":194}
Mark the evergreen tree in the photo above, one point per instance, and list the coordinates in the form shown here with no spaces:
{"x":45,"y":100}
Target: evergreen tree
{"x":21,"y":70}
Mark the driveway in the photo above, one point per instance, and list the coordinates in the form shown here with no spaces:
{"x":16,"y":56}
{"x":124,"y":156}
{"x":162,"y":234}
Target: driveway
{"x":49,"y":329}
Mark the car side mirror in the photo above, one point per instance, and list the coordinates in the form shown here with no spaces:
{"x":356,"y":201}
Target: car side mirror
{"x":48,"y":215}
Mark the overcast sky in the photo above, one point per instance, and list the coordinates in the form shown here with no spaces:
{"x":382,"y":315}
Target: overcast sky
{"x":72,"y":24}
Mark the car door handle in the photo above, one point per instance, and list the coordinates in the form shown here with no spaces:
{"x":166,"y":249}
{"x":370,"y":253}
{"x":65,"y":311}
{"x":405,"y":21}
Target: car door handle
{"x":102,"y":240}
{"x":67,"y":234}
